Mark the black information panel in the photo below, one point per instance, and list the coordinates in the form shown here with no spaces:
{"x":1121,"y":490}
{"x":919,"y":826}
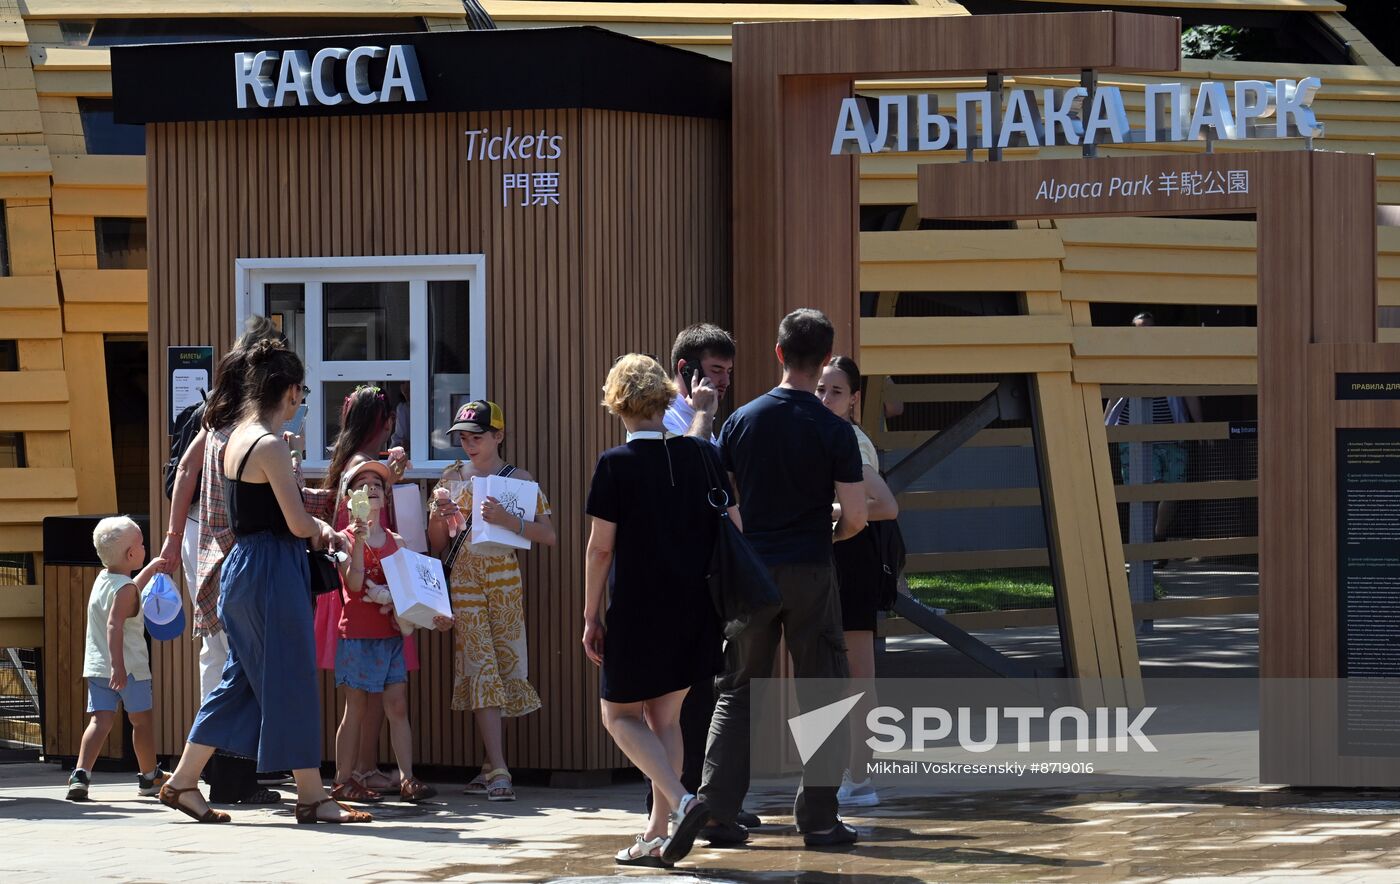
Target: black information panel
{"x":1368,"y":385}
{"x":1368,"y":588}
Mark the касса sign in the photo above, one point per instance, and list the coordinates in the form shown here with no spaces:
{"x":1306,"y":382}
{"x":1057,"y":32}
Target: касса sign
{"x":295,"y":77}
{"x":1259,"y":109}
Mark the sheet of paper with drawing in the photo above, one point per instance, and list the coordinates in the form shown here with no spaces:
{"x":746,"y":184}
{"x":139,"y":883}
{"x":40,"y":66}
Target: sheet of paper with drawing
{"x":519,"y":497}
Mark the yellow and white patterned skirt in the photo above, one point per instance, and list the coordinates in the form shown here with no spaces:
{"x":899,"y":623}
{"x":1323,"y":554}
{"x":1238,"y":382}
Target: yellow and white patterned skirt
{"x":489,"y":656}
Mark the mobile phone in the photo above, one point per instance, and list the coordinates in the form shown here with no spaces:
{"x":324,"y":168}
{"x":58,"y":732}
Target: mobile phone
{"x":688,"y":373}
{"x":298,"y":421}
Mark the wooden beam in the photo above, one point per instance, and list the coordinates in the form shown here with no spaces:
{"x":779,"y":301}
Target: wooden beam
{"x":1113,"y":391}
{"x":1168,"y":432}
{"x":70,"y":58}
{"x":75,"y":83}
{"x":94,"y":170}
{"x":86,"y":286}
{"x":1213,"y":606}
{"x":22,"y":633}
{"x":106,"y":318}
{"x":900,"y":439}
{"x":1217,"y":490}
{"x":28,"y":292}
{"x":24,"y":417}
{"x":964,"y":331}
{"x":1202,"y":370}
{"x":975,"y":560}
{"x":1203,"y":547}
{"x":93,"y":464}
{"x":916,"y":359}
{"x":969,"y":499}
{"x":33,"y":386}
{"x":1165,"y":342}
{"x":122,"y":202}
{"x":38,"y":483}
{"x":21,"y":602}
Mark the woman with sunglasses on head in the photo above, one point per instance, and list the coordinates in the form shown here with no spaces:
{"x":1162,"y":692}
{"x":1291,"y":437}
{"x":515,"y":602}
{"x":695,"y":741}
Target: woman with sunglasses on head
{"x":858,"y":567}
{"x":267,"y":704}
{"x":366,"y":423}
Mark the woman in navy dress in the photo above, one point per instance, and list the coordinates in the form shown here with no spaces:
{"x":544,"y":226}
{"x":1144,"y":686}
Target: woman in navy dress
{"x":267,"y":706}
{"x":653,"y":531}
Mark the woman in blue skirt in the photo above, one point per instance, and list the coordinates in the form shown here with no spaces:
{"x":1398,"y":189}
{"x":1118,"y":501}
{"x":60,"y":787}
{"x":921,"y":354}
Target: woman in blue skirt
{"x":267,"y":706}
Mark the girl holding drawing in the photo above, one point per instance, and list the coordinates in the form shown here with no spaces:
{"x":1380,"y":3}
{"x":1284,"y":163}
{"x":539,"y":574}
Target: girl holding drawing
{"x":369,"y":657}
{"x":489,"y":673}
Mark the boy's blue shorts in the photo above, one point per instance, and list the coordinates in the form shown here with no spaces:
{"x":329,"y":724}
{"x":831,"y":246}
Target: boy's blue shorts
{"x":136,"y":696}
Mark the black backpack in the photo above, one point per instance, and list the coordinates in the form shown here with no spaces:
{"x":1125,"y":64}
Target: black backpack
{"x":187,"y":425}
{"x":889,"y":550}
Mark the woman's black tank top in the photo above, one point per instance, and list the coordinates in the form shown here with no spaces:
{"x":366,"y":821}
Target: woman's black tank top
{"x":252,"y":506}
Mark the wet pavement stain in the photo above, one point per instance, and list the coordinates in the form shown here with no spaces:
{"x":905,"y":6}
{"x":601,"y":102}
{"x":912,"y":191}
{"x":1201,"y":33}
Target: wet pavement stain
{"x":569,"y":837}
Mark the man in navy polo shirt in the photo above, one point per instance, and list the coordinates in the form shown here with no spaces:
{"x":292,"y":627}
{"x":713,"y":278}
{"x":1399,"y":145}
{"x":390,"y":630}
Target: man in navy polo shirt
{"x":788,"y":458}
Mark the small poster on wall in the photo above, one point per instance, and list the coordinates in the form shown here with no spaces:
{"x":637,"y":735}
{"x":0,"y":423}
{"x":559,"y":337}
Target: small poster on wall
{"x":190,"y":371}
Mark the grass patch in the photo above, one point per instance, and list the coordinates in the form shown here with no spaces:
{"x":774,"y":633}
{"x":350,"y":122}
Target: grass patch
{"x":1001,"y":590}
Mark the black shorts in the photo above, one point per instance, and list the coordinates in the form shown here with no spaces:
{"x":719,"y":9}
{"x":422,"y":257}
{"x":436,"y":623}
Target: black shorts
{"x":857,"y":572}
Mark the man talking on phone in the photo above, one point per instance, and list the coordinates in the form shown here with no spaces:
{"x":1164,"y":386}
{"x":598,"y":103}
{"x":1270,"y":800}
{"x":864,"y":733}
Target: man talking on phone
{"x":702,"y":363}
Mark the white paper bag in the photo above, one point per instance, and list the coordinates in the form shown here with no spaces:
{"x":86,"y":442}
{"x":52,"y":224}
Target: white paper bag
{"x":418,"y":587}
{"x":519,"y":497}
{"x":408,"y":516}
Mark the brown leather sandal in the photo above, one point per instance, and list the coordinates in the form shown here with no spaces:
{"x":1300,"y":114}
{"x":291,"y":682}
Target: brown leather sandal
{"x":354,"y":790}
{"x":171,"y":798}
{"x":414,"y":789}
{"x":307,"y":813}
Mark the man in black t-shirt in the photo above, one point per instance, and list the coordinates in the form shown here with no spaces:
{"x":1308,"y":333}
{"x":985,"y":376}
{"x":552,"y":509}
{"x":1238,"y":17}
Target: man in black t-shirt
{"x":788,"y":457}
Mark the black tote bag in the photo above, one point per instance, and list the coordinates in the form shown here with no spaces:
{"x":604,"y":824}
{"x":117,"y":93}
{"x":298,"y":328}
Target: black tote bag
{"x":740,"y":586}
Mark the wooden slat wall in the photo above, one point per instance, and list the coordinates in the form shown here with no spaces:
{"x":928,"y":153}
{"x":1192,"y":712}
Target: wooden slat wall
{"x":637,"y":248}
{"x":66,"y":591}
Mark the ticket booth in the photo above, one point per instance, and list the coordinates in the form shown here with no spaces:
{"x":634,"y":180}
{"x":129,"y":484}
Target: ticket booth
{"x":450,"y":216}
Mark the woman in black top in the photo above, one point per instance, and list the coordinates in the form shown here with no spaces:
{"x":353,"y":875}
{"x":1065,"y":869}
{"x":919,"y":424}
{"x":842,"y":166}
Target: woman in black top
{"x":654,"y":530}
{"x":267,"y":704}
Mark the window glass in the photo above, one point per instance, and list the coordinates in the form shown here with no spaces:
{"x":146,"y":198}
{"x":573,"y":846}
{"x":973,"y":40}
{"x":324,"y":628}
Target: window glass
{"x":449,"y":363}
{"x":75,"y":32}
{"x":286,"y":307}
{"x":12,"y":450}
{"x":412,"y":330}
{"x":365,"y":321}
{"x":106,"y":136}
{"x":396,"y":397}
{"x":121,"y":243}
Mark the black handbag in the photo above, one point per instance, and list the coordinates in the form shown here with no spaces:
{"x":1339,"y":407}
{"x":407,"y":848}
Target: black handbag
{"x":325,"y":576}
{"x":740,"y":586}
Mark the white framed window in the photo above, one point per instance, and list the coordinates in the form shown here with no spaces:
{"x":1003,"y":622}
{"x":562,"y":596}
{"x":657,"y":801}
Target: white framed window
{"x":414,"y":326}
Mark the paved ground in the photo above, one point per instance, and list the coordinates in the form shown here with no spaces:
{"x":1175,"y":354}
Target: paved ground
{"x":1242,"y":834}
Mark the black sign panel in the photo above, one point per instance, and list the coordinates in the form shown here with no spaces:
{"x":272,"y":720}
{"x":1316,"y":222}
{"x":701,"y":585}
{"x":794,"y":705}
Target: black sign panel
{"x":190,"y":373}
{"x":1368,"y":385}
{"x":1368,"y":583}
{"x":1244,"y":429}
{"x":461,"y":71}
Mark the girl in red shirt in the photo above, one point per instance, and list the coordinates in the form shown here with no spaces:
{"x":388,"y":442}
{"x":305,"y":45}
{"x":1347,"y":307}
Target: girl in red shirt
{"x":369,"y":656}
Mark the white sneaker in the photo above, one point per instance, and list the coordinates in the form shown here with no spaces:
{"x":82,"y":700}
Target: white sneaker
{"x":853,"y":794}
